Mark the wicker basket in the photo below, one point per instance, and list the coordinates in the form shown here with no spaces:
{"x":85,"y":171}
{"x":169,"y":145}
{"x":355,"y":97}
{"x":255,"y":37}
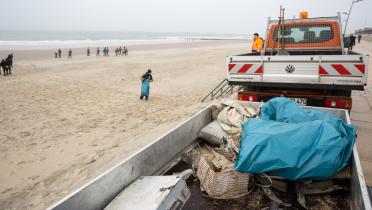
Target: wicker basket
{"x":225,"y":184}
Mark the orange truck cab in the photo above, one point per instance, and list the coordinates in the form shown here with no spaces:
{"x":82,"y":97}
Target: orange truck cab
{"x":306,"y":35}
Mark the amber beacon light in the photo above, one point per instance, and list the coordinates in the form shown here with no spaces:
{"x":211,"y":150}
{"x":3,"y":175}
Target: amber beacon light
{"x":304,"y":15}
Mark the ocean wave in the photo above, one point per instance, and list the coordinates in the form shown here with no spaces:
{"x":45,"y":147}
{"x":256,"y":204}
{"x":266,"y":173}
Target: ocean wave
{"x":52,"y":44}
{"x":206,"y":37}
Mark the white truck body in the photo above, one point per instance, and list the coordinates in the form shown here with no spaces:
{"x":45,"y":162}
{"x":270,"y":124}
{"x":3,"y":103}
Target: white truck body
{"x":334,"y":70}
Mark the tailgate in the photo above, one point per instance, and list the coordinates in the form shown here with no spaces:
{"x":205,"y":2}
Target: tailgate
{"x":344,"y":70}
{"x":245,"y":68}
{"x":327,"y":70}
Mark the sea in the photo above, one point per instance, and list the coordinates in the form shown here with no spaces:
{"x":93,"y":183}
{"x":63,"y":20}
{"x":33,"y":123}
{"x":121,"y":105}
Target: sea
{"x":32,"y":40}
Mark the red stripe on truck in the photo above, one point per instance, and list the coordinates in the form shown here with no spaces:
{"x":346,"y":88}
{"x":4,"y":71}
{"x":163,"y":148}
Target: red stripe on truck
{"x":322,"y":71}
{"x":259,"y":70}
{"x":231,"y":66}
{"x":245,"y":68}
{"x":361,"y":67}
{"x":341,"y":69}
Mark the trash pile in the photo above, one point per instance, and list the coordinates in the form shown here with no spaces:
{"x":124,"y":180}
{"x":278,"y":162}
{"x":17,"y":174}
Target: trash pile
{"x":278,"y":149}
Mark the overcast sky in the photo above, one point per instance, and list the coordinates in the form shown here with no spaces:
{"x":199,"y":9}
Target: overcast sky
{"x":212,"y":16}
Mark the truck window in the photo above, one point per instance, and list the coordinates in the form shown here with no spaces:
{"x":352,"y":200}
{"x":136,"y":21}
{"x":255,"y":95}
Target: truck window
{"x":306,"y":34}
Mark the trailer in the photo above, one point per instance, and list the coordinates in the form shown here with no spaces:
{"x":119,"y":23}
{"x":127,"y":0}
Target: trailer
{"x":163,"y":155}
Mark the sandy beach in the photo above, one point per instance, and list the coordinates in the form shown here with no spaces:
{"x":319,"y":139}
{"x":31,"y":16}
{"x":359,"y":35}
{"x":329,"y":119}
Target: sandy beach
{"x":63,"y":122}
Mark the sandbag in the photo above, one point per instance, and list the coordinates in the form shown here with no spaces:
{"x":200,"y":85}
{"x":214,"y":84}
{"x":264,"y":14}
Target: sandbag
{"x":230,"y":118}
{"x":216,"y":109}
{"x":213,"y":133}
{"x":295,"y":143}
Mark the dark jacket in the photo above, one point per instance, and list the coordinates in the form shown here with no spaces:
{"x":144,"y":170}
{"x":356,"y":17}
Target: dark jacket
{"x":147,"y":76}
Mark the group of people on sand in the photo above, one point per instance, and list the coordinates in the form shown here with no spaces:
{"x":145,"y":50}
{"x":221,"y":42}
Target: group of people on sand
{"x":58,"y":54}
{"x":105,"y":52}
{"x":121,"y":51}
{"x":7,"y":65}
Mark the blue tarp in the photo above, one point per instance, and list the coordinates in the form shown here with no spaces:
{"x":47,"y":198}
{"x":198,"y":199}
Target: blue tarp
{"x":295,"y":143}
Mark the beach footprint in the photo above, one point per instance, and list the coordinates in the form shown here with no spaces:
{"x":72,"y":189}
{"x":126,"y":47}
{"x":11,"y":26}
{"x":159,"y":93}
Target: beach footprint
{"x":6,"y":190}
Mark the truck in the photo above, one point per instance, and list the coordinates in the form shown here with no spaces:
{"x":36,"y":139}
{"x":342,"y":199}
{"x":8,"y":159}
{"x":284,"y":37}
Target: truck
{"x":303,"y":59}
{"x":164,"y":155}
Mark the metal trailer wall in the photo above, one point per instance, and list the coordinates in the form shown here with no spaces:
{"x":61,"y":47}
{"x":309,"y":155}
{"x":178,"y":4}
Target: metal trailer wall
{"x":99,"y":192}
{"x":359,"y":191}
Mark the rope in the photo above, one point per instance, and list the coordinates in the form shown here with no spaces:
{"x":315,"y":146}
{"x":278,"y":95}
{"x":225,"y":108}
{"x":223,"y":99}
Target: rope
{"x":237,"y":196}
{"x":268,"y":178}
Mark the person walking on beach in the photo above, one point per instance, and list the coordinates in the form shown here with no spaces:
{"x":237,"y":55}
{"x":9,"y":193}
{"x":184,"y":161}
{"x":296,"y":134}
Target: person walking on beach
{"x":352,"y":41}
{"x":69,"y":53}
{"x":98,"y":51}
{"x":359,"y":38}
{"x":125,"y":50}
{"x":55,"y":55}
{"x":59,"y":53}
{"x":88,"y":51}
{"x":145,"y":87}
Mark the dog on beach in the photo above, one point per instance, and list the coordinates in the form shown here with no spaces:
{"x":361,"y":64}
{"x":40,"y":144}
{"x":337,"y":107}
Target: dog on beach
{"x":7,"y":64}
